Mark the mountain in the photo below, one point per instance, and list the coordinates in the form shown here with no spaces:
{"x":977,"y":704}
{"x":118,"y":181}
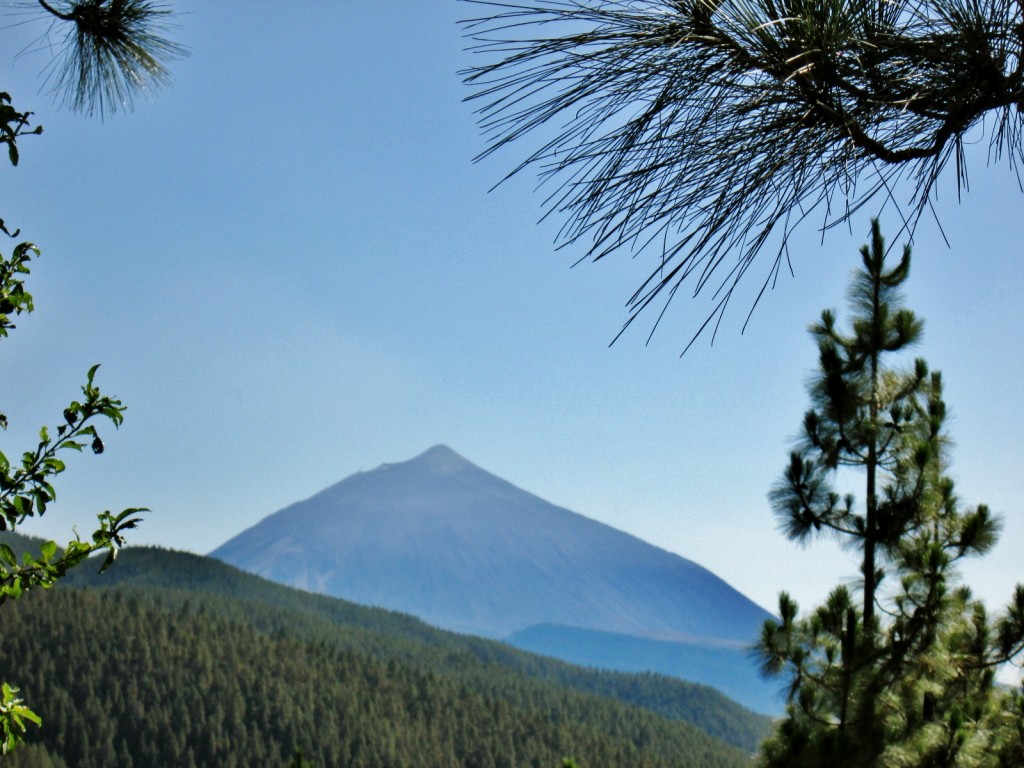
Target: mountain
{"x":446,"y":541}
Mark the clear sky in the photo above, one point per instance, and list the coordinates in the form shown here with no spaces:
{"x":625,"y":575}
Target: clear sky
{"x":291,"y":271}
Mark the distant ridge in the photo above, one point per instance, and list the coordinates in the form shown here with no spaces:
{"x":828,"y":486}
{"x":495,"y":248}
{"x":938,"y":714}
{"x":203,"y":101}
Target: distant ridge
{"x":463,"y":549}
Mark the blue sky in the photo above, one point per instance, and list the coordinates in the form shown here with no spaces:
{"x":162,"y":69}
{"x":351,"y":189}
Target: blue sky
{"x":291,"y":271}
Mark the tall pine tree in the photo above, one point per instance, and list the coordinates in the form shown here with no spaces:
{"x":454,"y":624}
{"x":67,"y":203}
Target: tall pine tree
{"x":903,"y":673}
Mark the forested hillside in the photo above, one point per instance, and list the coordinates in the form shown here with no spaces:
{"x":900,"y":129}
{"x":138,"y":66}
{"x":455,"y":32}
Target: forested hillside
{"x":123,"y":680}
{"x":394,"y":636}
{"x":223,"y":668}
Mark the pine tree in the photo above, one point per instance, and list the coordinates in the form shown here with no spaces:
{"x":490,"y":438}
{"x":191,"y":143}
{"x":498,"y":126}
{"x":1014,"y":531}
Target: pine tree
{"x":904,"y":675}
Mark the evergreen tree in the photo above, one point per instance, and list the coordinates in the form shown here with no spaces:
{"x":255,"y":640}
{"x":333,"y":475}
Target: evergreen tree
{"x":904,"y":675}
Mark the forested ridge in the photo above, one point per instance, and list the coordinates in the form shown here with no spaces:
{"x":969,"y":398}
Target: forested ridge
{"x":181,"y":660}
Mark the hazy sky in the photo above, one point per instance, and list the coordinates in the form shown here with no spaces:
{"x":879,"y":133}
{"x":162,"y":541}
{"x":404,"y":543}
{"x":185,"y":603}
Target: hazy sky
{"x":291,"y":271}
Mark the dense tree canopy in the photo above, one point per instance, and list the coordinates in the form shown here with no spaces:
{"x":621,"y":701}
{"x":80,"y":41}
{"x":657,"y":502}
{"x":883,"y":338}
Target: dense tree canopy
{"x":703,"y":130}
{"x":174,"y":659}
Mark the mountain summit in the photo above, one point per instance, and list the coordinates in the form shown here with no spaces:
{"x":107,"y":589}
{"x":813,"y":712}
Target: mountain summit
{"x":442,"y":539}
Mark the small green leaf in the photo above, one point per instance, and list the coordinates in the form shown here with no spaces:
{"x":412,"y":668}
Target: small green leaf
{"x":48,"y":550}
{"x":109,"y":560}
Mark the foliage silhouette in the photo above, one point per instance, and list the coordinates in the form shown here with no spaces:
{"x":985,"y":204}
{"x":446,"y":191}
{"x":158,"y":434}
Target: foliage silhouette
{"x":699,"y":130}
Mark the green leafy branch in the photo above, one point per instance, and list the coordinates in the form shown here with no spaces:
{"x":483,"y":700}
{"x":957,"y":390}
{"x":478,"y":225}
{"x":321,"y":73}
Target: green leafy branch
{"x":12,"y":125}
{"x":13,"y":714}
{"x":53,"y":563}
{"x":26,"y":491}
{"x":14,"y":299}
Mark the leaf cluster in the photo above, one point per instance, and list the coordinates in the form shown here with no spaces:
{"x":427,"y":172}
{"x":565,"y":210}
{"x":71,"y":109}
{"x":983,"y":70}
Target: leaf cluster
{"x":12,"y":125}
{"x":26,"y":490}
{"x":13,"y":714}
{"x":14,"y":299}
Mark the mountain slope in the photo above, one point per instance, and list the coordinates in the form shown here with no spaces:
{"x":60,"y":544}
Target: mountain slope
{"x":446,"y":541}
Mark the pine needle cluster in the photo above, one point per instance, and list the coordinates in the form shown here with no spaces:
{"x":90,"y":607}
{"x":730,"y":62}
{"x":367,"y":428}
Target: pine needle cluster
{"x":704,"y":130}
{"x":112,"y":51}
